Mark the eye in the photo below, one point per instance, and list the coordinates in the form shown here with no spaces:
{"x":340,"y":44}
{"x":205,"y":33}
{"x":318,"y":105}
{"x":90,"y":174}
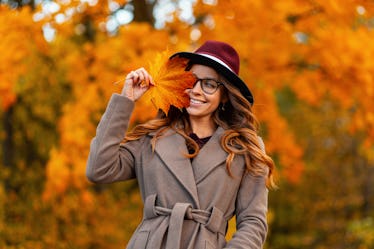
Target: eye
{"x":209,"y":84}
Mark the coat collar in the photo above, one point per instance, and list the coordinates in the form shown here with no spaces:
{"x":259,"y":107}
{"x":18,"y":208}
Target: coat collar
{"x":210,"y":156}
{"x":171,"y":148}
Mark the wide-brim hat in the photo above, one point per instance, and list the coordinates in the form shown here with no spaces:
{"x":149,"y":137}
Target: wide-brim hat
{"x":224,"y":59}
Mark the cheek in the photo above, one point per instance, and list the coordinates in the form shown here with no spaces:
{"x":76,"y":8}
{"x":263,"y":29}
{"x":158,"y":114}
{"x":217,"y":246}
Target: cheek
{"x":215,"y":102}
{"x":217,"y":97}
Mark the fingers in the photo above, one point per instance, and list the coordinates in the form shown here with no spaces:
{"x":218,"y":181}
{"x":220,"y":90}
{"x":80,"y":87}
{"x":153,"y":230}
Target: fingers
{"x":140,"y":77}
{"x":137,"y":82}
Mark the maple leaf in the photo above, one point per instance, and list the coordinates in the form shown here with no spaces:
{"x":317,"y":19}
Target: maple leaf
{"x":170,"y":82}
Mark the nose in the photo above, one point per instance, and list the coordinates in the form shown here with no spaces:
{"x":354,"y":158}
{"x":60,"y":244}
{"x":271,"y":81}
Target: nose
{"x":196,"y":89}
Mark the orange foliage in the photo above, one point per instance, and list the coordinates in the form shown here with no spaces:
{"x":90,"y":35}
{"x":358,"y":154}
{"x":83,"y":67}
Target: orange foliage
{"x":316,"y":48}
{"x":270,"y":53}
{"x":16,"y":26}
{"x":171,"y":81}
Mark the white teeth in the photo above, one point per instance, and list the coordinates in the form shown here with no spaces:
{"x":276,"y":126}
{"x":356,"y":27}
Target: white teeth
{"x":195,"y":101}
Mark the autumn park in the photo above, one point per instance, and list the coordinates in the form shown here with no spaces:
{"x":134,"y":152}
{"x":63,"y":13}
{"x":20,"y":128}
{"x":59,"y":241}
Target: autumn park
{"x":309,"y":64}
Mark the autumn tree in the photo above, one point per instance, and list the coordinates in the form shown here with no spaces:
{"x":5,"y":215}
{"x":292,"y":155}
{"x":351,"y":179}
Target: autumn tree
{"x":308,"y":64}
{"x":332,"y":206}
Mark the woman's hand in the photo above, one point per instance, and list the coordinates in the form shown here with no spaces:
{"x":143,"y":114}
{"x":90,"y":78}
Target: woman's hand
{"x":136,"y":84}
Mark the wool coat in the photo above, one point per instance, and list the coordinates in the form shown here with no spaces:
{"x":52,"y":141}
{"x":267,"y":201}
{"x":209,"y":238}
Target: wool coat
{"x":187,"y":204}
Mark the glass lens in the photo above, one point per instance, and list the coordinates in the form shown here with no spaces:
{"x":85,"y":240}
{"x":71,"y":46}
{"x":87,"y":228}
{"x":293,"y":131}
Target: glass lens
{"x":209,"y":85}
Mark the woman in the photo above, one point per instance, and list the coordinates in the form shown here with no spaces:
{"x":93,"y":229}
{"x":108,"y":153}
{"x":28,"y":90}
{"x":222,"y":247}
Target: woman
{"x":196,"y":168}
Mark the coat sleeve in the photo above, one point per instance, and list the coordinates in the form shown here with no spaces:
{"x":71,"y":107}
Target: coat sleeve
{"x":108,"y":160}
{"x":251,"y":210}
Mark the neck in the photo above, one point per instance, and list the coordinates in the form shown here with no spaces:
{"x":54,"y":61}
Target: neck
{"x":202,"y":127}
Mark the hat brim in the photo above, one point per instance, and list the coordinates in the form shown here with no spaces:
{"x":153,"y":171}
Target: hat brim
{"x":224,"y":71}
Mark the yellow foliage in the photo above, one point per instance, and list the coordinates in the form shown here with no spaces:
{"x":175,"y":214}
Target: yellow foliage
{"x":57,"y":170}
{"x":16,"y":26}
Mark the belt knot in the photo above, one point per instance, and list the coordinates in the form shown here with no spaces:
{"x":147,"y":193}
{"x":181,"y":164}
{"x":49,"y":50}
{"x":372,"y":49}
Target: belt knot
{"x":214,"y":221}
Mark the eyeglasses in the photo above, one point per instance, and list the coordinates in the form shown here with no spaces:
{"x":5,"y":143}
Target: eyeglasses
{"x":209,"y":86}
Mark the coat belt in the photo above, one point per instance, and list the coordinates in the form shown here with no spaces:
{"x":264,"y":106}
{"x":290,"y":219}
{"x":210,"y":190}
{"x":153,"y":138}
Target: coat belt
{"x":213,"y":221}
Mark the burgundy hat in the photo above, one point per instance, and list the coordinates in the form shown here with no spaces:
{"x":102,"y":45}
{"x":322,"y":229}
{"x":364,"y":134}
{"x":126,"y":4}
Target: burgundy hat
{"x":224,"y":59}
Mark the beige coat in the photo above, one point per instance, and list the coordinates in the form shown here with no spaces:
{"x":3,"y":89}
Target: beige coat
{"x":186,"y":204}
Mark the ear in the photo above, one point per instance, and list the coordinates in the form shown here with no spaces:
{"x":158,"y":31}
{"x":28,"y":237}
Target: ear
{"x":224,"y":97}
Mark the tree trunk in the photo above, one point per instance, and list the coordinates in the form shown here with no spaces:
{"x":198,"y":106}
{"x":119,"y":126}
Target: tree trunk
{"x":8,"y":146}
{"x":143,"y":11}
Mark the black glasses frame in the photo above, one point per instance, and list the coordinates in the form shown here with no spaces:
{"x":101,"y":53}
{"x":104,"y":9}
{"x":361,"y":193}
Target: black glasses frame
{"x":205,"y":81}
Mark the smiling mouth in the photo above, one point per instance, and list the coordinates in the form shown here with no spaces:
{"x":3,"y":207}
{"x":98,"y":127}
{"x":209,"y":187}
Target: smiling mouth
{"x":195,"y":101}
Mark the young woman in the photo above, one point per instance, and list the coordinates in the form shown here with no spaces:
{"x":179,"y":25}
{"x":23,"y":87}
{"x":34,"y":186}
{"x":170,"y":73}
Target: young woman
{"x":197,"y":167}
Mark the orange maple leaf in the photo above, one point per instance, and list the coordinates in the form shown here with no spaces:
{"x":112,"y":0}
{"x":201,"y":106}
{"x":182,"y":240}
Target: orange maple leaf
{"x":170,"y":82}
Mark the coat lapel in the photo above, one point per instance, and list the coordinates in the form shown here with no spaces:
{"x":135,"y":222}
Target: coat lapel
{"x":210,"y":156}
{"x":171,"y":148}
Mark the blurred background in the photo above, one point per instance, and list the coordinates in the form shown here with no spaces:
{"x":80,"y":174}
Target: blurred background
{"x":309,"y":64}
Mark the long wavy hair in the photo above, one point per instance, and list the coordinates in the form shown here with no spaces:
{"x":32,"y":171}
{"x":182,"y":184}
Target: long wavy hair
{"x":240,"y":136}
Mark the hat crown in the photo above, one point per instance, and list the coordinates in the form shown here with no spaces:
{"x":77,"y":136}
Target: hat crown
{"x":223,"y":52}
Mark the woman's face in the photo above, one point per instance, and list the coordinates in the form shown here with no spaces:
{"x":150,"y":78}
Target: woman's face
{"x":203,"y":105}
